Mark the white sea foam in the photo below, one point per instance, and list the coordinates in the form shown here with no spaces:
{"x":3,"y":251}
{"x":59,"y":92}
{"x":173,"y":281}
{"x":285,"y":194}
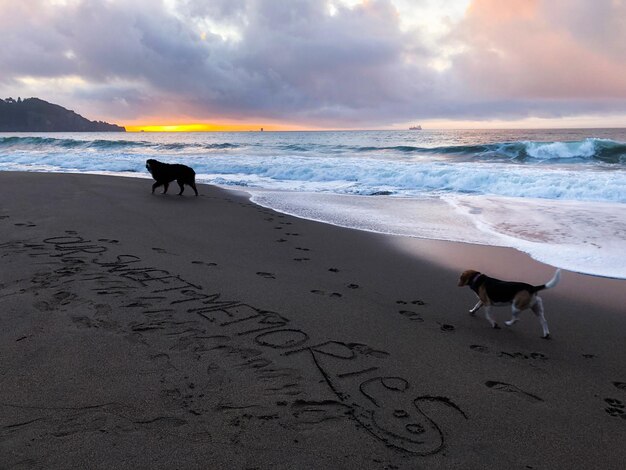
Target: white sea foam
{"x":562,"y":150}
{"x":366,"y":176}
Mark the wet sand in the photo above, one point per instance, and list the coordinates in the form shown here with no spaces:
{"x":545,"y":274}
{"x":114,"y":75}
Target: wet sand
{"x":153,"y":331}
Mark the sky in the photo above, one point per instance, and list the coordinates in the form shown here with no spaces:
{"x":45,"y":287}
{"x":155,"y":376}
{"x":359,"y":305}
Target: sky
{"x":321,"y":64}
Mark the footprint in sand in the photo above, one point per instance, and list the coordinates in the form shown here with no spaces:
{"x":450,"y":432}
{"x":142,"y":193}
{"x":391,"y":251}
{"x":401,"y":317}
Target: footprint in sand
{"x":479,"y":348}
{"x":505,"y":387}
{"x":413,"y":316}
{"x":204,"y":263}
{"x":302,"y":259}
{"x":524,"y":356}
{"x":615,"y":408}
{"x":64,"y":298}
{"x":333,"y":270}
{"x":414,"y":302}
{"x":445,"y":327}
{"x":281,"y":240}
{"x":302,"y":249}
{"x":321,"y":292}
{"x":352,"y":286}
{"x":83,"y":321}
{"x":620,"y":385}
{"x":159,"y":250}
{"x":266,"y":275}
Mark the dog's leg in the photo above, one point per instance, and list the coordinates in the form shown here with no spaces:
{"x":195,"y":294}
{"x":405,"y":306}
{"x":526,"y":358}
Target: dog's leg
{"x":155,"y":185}
{"x":193,"y":186}
{"x":165,"y":186}
{"x":537,"y":309}
{"x":514,"y":316}
{"x":182,"y":187}
{"x":475,"y":308}
{"x":490,"y":318}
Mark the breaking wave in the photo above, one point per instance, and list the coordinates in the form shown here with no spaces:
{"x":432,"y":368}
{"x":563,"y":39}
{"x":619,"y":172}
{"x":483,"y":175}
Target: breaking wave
{"x":605,"y":150}
{"x":50,"y":144}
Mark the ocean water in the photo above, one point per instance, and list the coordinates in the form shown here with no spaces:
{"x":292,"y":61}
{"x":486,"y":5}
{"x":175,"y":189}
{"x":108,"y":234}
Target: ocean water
{"x":558,"y":195}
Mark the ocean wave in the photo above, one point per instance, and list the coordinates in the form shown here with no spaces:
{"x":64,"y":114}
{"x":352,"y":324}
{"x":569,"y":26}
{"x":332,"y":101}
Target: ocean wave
{"x":590,"y":149}
{"x":605,"y":150}
{"x":15,"y":141}
{"x":184,"y":146}
{"x":375,"y":177}
{"x":51,"y":143}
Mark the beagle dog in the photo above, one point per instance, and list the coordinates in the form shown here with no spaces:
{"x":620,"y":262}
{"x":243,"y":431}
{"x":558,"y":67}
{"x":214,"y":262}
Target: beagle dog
{"x":494,"y":292}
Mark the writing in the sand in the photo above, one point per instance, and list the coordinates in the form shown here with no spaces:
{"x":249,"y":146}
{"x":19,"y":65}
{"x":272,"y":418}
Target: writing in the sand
{"x":352,"y":374}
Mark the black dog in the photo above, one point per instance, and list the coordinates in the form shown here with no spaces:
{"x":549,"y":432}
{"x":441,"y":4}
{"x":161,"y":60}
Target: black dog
{"x":165,"y":173}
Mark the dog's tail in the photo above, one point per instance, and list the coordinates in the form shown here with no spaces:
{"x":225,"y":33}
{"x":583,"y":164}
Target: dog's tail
{"x":552,"y":282}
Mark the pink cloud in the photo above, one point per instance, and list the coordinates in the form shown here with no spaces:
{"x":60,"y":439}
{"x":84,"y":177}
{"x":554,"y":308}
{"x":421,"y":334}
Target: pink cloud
{"x":518,"y":49}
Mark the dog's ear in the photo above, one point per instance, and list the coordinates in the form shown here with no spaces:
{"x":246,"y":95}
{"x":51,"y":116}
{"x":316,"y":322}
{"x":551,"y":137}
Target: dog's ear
{"x":466,"y":276}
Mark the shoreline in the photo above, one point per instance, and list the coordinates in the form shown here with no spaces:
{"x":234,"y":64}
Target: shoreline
{"x":168,"y":331}
{"x":472,"y":220}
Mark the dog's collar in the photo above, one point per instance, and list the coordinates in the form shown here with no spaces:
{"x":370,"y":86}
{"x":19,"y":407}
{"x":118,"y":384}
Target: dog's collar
{"x":475,"y":279}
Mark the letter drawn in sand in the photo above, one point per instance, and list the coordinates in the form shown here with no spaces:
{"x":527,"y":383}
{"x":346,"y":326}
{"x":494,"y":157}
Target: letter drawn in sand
{"x":397,"y":419}
{"x":73,"y":245}
{"x":281,"y":339}
{"x":336,"y":360}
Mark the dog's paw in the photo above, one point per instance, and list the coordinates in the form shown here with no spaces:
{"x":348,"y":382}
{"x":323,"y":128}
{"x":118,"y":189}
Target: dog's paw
{"x":496,"y":326}
{"x":510,"y":322}
{"x":547,"y":336}
{"x":472,"y":313}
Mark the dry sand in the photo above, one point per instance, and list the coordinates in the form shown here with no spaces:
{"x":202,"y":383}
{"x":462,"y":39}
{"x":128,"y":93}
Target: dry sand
{"x":151,"y":331}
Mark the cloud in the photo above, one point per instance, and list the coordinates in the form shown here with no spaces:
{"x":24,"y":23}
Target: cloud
{"x":315,"y":62}
{"x":521,"y":49}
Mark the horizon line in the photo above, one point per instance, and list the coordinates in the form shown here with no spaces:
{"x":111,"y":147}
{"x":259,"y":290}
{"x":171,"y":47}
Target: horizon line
{"x":187,"y":129}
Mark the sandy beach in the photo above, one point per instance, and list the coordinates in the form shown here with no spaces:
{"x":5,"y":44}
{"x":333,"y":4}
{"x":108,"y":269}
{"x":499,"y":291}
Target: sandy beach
{"x":158,"y":331}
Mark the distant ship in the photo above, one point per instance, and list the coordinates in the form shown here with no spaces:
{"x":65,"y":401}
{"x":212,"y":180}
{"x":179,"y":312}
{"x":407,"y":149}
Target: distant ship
{"x":415,"y":128}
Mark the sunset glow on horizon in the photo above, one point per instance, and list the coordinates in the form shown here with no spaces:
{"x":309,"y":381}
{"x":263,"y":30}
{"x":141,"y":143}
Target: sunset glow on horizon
{"x":203,"y":128}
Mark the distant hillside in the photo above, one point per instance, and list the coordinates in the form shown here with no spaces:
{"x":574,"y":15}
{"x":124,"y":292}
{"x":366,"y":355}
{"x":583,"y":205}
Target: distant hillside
{"x":35,"y":115}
